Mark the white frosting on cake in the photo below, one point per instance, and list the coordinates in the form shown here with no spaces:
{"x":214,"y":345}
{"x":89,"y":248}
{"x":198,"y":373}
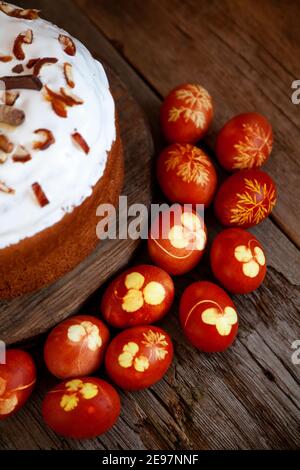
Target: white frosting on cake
{"x":64,"y":171}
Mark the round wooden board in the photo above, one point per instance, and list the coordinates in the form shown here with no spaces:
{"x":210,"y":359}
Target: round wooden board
{"x":26,"y":317}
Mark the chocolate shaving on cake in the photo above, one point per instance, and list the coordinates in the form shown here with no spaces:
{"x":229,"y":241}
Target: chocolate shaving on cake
{"x":21,"y":155}
{"x":39,"y":194}
{"x":81,"y":142}
{"x":21,"y":39}
{"x":11,"y":116}
{"x":5,"y":58}
{"x":18,"y":68}
{"x":6,"y":189}
{"x":11,"y":97}
{"x":5,"y":144}
{"x":41,"y":62}
{"x":22,"y":82}
{"x":25,"y":14}
{"x":47,"y":139}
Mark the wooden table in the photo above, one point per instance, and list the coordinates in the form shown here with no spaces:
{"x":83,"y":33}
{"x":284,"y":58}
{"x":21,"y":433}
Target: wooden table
{"x":246,"y":53}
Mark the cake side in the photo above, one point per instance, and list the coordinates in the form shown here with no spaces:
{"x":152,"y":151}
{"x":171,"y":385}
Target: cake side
{"x":60,"y":151}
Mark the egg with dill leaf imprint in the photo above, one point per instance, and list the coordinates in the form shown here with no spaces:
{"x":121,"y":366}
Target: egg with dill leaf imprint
{"x":245,"y":199}
{"x":186,"y":175}
{"x":244,"y":142}
{"x":186,"y":113}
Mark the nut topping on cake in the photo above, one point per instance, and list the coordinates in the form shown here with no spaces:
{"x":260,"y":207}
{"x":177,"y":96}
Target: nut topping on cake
{"x":5,"y":145}
{"x":68,"y":44}
{"x":11,"y":116}
{"x":10,"y":97}
{"x":70,"y":98}
{"x":39,"y":194}
{"x":61,"y":100}
{"x":3,"y":157}
{"x":69,"y":74}
{"x":81,"y":142}
{"x":31,"y":63}
{"x":60,"y":108}
{"x":21,"y":155}
{"x":25,"y":14}
{"x":6,"y":189}
{"x":22,"y":38}
{"x":5,"y":58}
{"x":47,"y":139}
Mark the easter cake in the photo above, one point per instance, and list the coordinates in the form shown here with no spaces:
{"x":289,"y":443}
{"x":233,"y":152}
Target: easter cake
{"x":60,"y":151}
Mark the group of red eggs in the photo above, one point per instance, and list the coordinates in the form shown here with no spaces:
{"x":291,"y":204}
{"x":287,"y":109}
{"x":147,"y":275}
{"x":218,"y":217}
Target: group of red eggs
{"x":83,"y":406}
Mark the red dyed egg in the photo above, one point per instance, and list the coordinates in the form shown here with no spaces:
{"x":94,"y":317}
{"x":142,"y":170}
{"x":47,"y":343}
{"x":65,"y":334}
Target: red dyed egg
{"x":17,"y":379}
{"x":139,"y":357}
{"x":81,"y":408}
{"x":177,"y":240}
{"x":76,"y":346}
{"x":186,"y":175}
{"x":244,"y":142}
{"x":245,"y":199}
{"x":238,"y":260}
{"x":139,"y":296}
{"x":208,"y":317}
{"x":186,"y":113}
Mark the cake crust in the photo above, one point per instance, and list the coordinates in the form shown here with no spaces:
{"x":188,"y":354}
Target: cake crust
{"x":38,"y":261}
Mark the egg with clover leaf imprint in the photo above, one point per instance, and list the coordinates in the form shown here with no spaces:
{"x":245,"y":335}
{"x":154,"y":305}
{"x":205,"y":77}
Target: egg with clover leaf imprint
{"x":76,"y":346}
{"x":208,"y":317}
{"x":177,"y":239}
{"x":186,"y":113}
{"x":238,"y":260}
{"x":81,"y":408}
{"x":139,"y":296}
{"x":139,"y":357}
{"x":17,"y":380}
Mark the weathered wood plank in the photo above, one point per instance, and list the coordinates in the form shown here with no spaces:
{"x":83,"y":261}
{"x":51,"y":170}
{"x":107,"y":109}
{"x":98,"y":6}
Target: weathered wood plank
{"x":247,"y":397}
{"x":244,"y":52}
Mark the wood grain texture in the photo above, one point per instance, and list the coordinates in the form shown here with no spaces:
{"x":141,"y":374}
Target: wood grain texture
{"x":244,"y":51}
{"x":247,"y":397}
